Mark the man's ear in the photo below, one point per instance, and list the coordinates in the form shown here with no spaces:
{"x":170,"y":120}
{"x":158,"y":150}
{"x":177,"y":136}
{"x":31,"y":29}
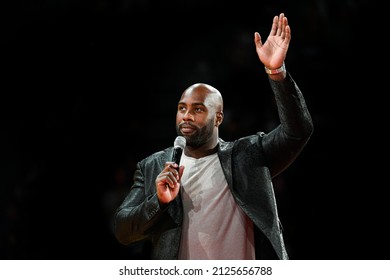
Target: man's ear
{"x":219,"y":118}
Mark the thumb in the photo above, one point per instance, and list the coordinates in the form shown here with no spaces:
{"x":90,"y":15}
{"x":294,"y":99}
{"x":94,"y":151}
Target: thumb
{"x":257,"y":40}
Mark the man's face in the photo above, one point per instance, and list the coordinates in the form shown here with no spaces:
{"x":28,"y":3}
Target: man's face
{"x":195,"y":117}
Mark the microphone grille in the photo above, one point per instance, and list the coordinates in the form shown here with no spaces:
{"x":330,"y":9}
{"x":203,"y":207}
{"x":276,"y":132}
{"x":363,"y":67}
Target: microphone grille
{"x":180,"y":142}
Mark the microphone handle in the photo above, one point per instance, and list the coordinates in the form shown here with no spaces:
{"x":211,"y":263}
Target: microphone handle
{"x":177,"y":152}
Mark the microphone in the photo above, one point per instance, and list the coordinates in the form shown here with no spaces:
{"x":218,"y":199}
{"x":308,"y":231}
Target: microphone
{"x":178,"y":147}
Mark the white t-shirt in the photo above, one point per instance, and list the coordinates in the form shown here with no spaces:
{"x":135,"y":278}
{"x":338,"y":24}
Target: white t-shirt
{"x":214,"y":226}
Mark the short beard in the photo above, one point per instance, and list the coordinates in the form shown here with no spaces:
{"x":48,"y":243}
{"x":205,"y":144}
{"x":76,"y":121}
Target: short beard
{"x":200,"y":137}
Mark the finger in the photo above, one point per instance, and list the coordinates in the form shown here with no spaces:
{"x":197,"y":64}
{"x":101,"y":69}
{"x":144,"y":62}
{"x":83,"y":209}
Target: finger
{"x":279,"y":29}
{"x":274,"y":26}
{"x":181,"y":170}
{"x":285,"y":27}
{"x":288,"y":33}
{"x":172,"y":165}
{"x":257,"y":40}
{"x":171,"y":179}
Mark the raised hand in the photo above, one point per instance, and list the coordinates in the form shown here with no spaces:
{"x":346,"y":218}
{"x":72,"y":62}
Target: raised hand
{"x":273,"y":52}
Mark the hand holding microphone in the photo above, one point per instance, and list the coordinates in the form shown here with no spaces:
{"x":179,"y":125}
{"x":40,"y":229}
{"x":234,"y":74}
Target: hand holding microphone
{"x":168,"y":181}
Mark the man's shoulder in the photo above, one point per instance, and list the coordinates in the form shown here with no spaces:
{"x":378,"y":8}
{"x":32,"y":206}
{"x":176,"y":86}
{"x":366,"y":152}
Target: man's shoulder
{"x":246,"y":140}
{"x":160,"y":156}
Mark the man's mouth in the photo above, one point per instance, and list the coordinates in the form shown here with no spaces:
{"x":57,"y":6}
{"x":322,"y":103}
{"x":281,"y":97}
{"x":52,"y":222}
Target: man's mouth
{"x":185,"y":128}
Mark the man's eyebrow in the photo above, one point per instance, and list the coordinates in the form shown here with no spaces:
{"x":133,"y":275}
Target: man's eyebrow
{"x":192,"y":104}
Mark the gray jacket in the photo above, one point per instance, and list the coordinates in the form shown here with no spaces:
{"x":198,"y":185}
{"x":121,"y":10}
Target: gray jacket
{"x":249,"y":164}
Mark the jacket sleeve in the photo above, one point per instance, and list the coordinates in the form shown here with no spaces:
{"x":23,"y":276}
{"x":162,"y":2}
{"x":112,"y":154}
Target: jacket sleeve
{"x":284,"y":143}
{"x":140,"y":210}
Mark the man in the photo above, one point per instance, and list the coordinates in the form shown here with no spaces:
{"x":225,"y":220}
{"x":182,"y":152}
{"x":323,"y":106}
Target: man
{"x":219,"y":202}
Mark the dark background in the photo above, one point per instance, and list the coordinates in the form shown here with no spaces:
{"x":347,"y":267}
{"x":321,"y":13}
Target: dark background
{"x":90,"y":87}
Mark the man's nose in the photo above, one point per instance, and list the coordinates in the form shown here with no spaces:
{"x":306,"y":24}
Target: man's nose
{"x":188,"y":115}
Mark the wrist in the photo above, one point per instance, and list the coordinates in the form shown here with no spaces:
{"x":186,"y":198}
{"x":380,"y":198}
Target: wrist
{"x":275,"y":71}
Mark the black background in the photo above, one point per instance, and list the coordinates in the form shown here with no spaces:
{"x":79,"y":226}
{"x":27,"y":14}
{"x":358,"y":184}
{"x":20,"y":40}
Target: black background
{"x":90,"y":87}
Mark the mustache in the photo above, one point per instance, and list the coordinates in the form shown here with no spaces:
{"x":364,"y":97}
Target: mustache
{"x":187,"y":124}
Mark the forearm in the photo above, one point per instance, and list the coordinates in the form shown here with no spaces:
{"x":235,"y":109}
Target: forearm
{"x":134,"y":218}
{"x":283,"y":144}
{"x":293,"y":113}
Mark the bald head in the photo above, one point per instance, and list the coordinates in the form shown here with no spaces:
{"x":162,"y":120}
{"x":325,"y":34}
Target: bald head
{"x":209,"y":94}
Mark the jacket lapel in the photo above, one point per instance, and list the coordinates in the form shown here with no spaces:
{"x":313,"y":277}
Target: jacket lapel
{"x":224,"y":154}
